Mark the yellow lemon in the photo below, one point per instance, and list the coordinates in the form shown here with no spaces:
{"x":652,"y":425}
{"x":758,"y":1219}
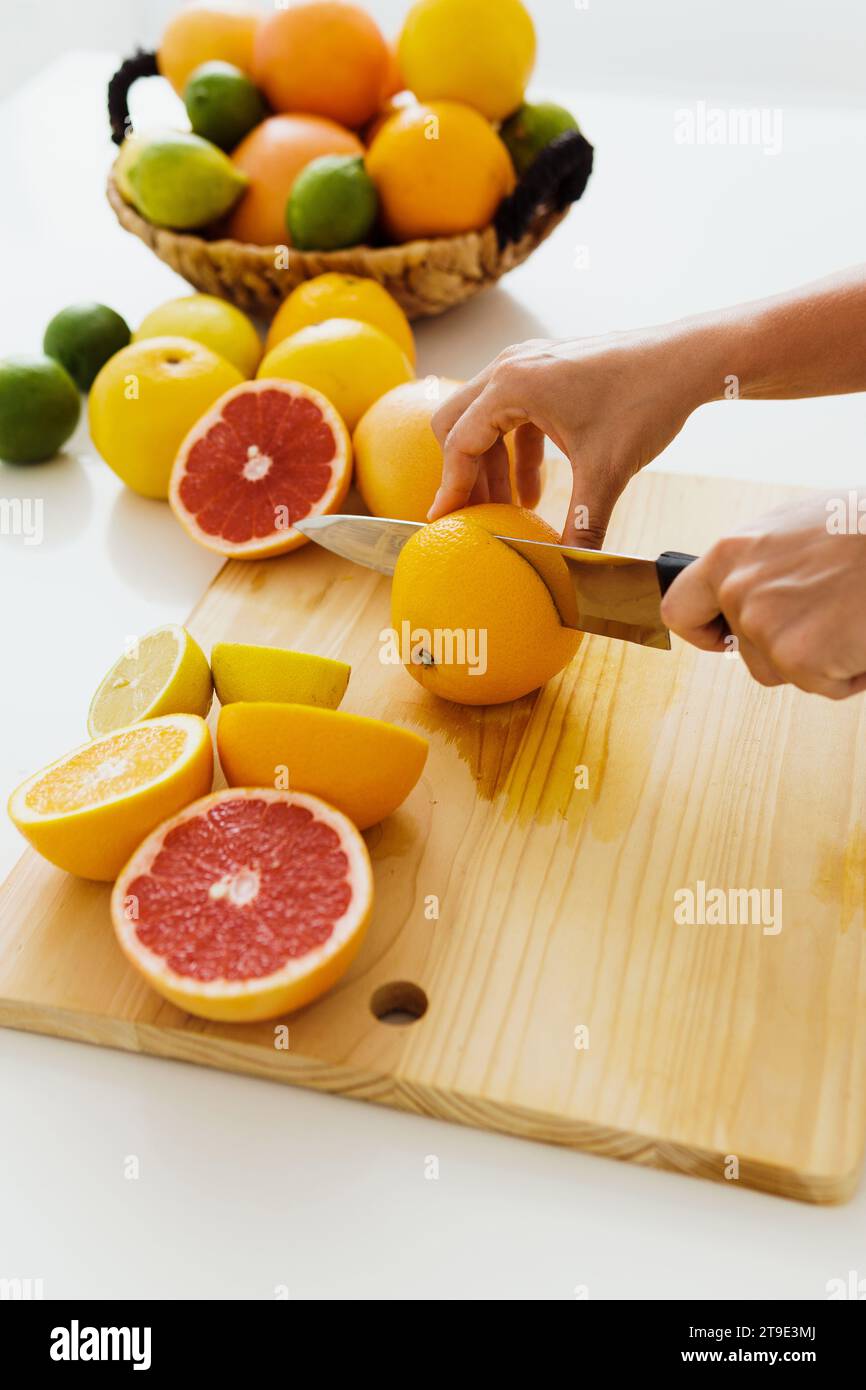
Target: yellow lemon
{"x":477,"y":622}
{"x":165,"y":672}
{"x":91,"y":809}
{"x":245,"y":672}
{"x":208,"y":320}
{"x":364,"y":767}
{"x":145,"y":401}
{"x":351,"y":363}
{"x":478,"y":51}
{"x":339,"y":296}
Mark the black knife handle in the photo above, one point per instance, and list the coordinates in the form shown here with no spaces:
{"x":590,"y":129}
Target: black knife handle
{"x":669,"y":565}
{"x":672,"y":563}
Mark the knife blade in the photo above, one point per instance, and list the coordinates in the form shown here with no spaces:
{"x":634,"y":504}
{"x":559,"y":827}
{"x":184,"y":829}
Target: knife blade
{"x":617,"y":595}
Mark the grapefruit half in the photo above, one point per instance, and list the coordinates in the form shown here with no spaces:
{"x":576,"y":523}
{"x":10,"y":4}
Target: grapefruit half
{"x":247,"y":905}
{"x":267,"y":454}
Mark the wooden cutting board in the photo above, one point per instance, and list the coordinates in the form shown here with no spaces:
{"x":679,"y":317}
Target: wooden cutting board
{"x":536,"y":917}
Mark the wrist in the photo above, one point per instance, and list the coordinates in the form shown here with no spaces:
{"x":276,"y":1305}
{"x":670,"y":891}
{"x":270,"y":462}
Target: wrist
{"x":709,"y":359}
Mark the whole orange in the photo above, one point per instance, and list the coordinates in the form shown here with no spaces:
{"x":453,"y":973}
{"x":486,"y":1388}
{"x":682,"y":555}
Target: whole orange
{"x":207,"y":31}
{"x":398,"y":461}
{"x":323,"y":57}
{"x":392,"y":106}
{"x":485,"y":623}
{"x":272,"y":156}
{"x":439,"y":169}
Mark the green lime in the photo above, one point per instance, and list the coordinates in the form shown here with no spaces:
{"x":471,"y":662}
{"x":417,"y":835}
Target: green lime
{"x":333,"y":203}
{"x":532,"y":128}
{"x":82,"y":338}
{"x":222,"y":103}
{"x":182,"y":181}
{"x":39,"y":408}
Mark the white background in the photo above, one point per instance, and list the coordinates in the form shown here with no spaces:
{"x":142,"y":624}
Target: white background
{"x":245,"y":1186}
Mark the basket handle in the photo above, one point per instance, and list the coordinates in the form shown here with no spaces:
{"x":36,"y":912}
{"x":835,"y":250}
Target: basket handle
{"x":556,"y":178}
{"x":141,"y":64}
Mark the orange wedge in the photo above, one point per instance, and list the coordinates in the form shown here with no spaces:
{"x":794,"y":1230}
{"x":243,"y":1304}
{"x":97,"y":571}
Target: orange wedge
{"x":364,"y":767}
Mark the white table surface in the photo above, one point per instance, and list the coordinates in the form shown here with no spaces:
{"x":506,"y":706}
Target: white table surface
{"x":247,"y":1186}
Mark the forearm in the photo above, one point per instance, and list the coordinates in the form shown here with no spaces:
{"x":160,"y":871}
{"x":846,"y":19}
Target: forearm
{"x":807,"y":342}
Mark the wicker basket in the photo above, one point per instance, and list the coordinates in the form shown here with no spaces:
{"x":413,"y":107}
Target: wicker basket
{"x":425,"y":277}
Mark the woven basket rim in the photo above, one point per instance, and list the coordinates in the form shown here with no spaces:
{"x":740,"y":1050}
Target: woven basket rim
{"x":415,"y":250}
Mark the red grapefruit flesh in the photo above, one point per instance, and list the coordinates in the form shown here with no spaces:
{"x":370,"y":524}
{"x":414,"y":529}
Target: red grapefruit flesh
{"x":247,"y":905}
{"x":267,"y":454}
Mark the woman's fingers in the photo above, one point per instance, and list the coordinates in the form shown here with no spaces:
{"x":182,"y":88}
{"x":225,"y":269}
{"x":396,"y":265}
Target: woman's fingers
{"x":480,"y":491}
{"x":690,"y":608}
{"x":496,"y":466}
{"x":458,"y":400}
{"x":475,"y":433}
{"x":593,"y":497}
{"x":528,"y":458}
{"x":759,"y":666}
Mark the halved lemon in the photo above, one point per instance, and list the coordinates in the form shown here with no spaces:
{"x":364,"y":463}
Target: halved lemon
{"x":242,"y":671}
{"x":165,"y":672}
{"x":88,"y":811}
{"x":364,"y":767}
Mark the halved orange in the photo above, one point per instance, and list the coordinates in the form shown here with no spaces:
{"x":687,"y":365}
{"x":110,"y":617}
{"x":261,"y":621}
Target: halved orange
{"x":269,"y":453}
{"x":249,"y":904}
{"x":89,"y":810}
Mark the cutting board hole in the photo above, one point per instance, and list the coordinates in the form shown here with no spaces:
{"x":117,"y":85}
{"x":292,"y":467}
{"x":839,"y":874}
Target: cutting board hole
{"x":399,"y":1003}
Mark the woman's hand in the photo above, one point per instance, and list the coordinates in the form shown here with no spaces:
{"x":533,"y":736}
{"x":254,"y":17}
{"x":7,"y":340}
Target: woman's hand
{"x":610,"y":404}
{"x":792,"y":588}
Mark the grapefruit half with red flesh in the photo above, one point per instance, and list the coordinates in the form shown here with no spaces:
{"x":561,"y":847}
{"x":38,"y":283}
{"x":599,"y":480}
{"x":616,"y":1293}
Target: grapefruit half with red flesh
{"x":267,"y":454}
{"x":247,"y":905}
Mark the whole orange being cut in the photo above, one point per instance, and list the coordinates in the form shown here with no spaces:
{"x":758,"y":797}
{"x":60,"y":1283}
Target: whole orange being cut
{"x":324,"y":57}
{"x":480,"y":623}
{"x":272,"y":156}
{"x":206,"y":31}
{"x":439,"y":169}
{"x":247,"y":905}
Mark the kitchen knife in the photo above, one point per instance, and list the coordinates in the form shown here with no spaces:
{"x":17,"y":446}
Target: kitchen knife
{"x":617,"y":595}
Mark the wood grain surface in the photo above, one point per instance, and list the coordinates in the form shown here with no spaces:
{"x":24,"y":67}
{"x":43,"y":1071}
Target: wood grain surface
{"x":537,"y":917}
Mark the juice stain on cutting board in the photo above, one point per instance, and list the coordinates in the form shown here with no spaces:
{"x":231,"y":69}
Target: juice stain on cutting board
{"x":486,"y":738}
{"x":841,"y":878}
{"x":580,"y":747}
